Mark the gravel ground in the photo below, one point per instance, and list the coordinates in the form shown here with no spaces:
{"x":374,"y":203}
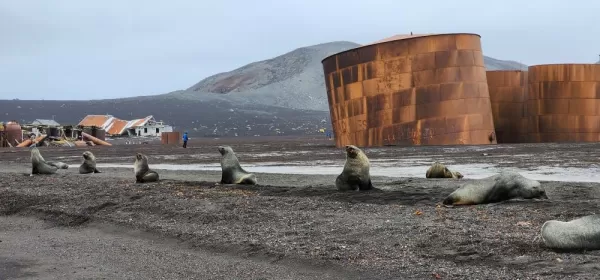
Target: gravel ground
{"x":297,"y":223}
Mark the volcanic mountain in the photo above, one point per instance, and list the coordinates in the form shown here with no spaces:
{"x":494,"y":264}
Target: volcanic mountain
{"x":284,"y":95}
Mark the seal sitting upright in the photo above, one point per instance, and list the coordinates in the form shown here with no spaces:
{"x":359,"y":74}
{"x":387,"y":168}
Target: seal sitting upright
{"x":143,"y":174}
{"x":579,"y":234}
{"x":438,"y":170}
{"x":89,"y":164}
{"x":39,"y":165}
{"x":355,"y":175}
{"x":231,"y":171}
{"x":504,"y":186}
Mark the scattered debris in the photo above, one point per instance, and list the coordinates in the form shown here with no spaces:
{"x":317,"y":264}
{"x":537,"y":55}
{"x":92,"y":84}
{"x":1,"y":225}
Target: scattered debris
{"x":523,"y":224}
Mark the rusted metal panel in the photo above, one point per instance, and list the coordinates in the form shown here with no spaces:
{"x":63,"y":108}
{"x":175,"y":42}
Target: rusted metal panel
{"x":170,"y":138}
{"x":563,"y":103}
{"x":508,"y":90}
{"x":13,"y":133}
{"x":411,"y":90}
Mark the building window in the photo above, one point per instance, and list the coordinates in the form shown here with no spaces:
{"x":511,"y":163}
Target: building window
{"x":145,"y":130}
{"x":157,"y":130}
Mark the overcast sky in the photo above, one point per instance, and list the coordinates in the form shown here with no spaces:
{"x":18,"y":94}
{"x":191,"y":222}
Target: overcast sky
{"x":74,"y":49}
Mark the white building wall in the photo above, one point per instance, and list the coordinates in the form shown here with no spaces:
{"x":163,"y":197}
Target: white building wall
{"x":152,"y":130}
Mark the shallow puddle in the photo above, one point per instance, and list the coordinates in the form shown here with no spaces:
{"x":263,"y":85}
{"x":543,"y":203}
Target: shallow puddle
{"x":393,"y":168}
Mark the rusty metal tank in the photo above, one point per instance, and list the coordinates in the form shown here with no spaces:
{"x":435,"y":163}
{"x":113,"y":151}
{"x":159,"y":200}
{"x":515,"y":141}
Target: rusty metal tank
{"x":170,"y":138}
{"x":563,"y":103}
{"x":508,"y":92}
{"x":410,"y":90}
{"x":13,"y":132}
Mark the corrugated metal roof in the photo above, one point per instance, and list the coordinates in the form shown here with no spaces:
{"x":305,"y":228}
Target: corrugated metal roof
{"x":139,"y":122}
{"x":45,"y":122}
{"x":116,"y":127}
{"x":112,"y":125}
{"x":101,"y":121}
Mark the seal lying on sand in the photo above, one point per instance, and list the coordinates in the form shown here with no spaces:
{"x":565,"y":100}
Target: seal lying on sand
{"x":143,"y":174}
{"x":579,"y":234}
{"x":39,"y":165}
{"x":500,"y":187}
{"x":89,"y":164}
{"x":231,"y":171}
{"x":355,"y":175}
{"x":438,"y":170}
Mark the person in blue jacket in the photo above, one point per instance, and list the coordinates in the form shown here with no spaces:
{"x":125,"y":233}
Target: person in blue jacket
{"x":185,"y":139}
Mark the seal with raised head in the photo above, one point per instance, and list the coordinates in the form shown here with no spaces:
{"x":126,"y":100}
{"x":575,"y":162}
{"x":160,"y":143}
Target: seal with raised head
{"x":143,"y":173}
{"x":89,"y":164}
{"x":500,"y":187}
{"x":356,"y":173}
{"x":39,"y":165}
{"x":438,"y":170}
{"x":579,"y":234}
{"x":231,"y":171}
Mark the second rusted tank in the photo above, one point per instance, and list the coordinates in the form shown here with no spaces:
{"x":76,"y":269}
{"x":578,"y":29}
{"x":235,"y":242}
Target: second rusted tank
{"x":410,"y":90}
{"x":508,"y":91}
{"x":13,"y":133}
{"x":563,"y":103}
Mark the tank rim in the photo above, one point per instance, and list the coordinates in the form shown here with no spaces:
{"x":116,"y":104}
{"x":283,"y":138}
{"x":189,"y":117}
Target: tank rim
{"x":564,"y":64}
{"x":402,"y":39}
{"x":508,"y":70}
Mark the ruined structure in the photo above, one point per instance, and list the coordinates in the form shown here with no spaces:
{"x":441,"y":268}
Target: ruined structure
{"x":410,"y":90}
{"x":508,"y":91}
{"x":563,"y":103}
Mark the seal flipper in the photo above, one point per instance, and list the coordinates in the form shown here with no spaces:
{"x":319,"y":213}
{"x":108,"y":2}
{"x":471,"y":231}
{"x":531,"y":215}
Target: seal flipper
{"x":96,"y":171}
{"x":247,"y":179}
{"x":354,"y":182}
{"x":226,"y":177}
{"x":342,"y":185}
{"x":150,"y":176}
{"x":449,"y":200}
{"x":365,"y":187}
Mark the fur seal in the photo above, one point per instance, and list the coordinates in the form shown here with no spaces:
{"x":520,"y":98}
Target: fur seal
{"x":231,"y":171}
{"x":39,"y":165}
{"x":579,"y":234}
{"x":355,"y":175}
{"x":89,"y":164}
{"x":143,"y":174}
{"x":438,"y":170}
{"x":500,"y":187}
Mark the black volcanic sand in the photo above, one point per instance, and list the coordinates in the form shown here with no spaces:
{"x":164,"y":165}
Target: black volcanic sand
{"x":293,"y":227}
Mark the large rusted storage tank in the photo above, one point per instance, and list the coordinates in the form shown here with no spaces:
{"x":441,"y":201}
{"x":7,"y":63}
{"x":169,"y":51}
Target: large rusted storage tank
{"x":2,"y":136}
{"x":410,"y":90}
{"x":563,"y":103}
{"x":13,"y":132}
{"x":508,"y":91}
{"x":96,"y":132}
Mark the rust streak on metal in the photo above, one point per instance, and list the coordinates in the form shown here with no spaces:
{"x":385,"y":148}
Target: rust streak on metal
{"x":410,"y":90}
{"x":563,"y":103}
{"x":95,"y":140}
{"x":508,"y":91}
